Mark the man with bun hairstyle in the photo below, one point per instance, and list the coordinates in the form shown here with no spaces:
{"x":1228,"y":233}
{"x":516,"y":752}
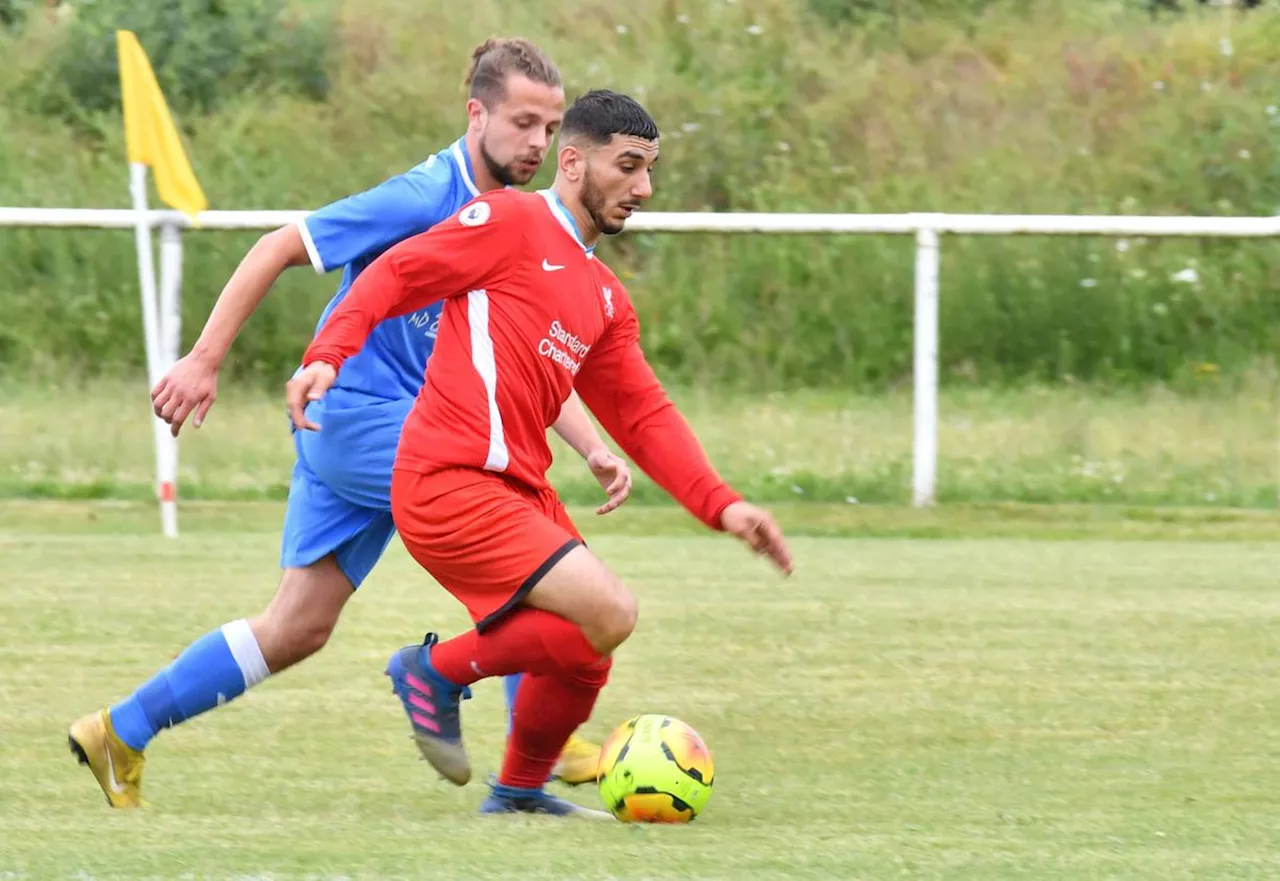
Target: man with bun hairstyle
{"x":338,"y":521}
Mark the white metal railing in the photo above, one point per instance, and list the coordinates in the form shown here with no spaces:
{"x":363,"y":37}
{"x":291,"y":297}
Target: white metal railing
{"x":927,"y":229}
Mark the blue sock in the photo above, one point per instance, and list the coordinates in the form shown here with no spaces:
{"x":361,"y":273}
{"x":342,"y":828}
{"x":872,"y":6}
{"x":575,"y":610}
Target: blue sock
{"x":213,"y":670}
{"x":511,"y":685}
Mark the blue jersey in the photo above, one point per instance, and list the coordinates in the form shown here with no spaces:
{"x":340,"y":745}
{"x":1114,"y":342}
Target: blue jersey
{"x":352,"y":232}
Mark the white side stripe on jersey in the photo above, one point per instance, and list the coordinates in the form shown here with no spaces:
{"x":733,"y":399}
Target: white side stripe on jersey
{"x":462,"y":168}
{"x":483,"y":360}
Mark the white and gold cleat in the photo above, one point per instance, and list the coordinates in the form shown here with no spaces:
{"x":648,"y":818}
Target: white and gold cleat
{"x":116,"y":765}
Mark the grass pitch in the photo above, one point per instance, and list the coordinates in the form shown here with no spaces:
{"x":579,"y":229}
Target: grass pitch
{"x":976,"y":708}
{"x":1219,"y":447}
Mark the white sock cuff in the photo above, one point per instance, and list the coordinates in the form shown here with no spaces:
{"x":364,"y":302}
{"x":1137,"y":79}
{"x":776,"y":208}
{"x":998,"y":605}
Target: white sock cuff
{"x":244,"y":648}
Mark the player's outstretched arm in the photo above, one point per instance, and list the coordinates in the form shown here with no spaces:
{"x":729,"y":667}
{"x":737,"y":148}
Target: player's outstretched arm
{"x":577,"y":430}
{"x":190,"y":387}
{"x":620,"y":387}
{"x":329,"y":238}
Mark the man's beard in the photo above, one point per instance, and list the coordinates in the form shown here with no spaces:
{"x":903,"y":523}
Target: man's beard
{"x":593,"y":200}
{"x":503,"y":174}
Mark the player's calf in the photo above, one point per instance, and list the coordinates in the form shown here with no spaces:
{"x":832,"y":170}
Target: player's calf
{"x":301,"y":616}
{"x":549,"y":708}
{"x":224,"y":663}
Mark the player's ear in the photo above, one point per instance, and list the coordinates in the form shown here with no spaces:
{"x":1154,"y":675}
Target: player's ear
{"x":572,"y":162}
{"x":475,"y":113}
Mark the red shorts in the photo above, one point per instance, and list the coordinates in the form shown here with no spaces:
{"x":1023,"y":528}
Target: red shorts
{"x":487,"y":539}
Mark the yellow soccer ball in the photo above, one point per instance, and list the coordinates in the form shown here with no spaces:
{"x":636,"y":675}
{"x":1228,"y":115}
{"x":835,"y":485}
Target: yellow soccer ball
{"x":655,"y":769}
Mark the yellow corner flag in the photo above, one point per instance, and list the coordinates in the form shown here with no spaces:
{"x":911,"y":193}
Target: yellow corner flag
{"x":149,"y":132}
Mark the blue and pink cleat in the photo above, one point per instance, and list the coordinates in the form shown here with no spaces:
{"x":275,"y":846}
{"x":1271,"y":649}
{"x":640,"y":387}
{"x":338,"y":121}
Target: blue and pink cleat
{"x":432,"y":704}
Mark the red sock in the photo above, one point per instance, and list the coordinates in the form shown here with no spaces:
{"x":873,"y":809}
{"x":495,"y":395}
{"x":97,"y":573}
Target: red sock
{"x":527,"y":641}
{"x":549,"y":707}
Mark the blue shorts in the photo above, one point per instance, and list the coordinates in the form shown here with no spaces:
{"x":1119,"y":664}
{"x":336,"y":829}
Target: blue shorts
{"x":340,"y":492}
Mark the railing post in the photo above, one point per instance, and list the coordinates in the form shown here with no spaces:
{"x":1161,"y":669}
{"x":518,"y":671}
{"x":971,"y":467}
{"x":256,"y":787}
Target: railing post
{"x":925,"y":448}
{"x":170,"y":293}
{"x":170,"y":343}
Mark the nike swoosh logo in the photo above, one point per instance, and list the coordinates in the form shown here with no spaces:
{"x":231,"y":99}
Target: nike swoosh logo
{"x":115,"y":784}
{"x":549,"y":267}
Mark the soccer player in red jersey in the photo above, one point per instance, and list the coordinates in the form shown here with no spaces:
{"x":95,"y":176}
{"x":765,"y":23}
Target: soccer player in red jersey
{"x":529,"y":315}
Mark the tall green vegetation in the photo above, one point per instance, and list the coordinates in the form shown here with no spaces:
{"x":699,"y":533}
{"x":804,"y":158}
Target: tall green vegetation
{"x":838,"y":105}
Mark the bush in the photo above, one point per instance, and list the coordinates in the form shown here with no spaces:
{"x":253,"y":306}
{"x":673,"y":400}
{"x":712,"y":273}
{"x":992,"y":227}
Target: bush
{"x":203,"y":51}
{"x":13,"y":12}
{"x":872,"y":12}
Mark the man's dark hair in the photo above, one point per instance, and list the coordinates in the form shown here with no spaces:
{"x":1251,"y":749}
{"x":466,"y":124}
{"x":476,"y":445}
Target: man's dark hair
{"x":498,"y":58}
{"x":600,"y":114}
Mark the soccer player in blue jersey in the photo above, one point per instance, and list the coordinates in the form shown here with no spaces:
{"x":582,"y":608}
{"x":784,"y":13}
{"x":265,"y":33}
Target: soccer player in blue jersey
{"x":338,"y":521}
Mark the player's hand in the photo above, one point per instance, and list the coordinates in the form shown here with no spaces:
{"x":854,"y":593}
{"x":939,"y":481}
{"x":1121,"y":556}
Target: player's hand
{"x":309,"y":385}
{"x":188,"y":389}
{"x":614,"y":475}
{"x":757,"y":528}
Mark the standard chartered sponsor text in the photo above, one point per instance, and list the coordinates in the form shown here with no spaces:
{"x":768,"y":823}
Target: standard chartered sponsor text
{"x":563,"y":348}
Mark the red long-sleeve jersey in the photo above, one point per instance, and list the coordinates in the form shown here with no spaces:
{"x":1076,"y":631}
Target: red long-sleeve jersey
{"x":529,"y":314}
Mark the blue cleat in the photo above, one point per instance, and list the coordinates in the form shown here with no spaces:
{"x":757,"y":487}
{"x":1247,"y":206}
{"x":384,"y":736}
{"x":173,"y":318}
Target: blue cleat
{"x":510,"y":800}
{"x":432,"y":704}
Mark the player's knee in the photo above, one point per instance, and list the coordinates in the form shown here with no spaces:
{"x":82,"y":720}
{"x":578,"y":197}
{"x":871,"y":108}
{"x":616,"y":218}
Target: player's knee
{"x":285,"y":640}
{"x":301,"y":617}
{"x":617,"y":620}
{"x":308,"y":635}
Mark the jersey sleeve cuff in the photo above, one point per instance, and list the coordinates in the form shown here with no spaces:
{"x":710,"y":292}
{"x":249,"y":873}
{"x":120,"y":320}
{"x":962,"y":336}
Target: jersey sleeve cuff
{"x":722,"y":497}
{"x":310,"y":244}
{"x":322,"y":356}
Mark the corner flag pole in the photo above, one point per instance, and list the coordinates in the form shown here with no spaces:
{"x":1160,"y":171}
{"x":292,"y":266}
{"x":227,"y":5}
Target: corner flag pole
{"x":166,"y":454}
{"x":151,"y":140}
